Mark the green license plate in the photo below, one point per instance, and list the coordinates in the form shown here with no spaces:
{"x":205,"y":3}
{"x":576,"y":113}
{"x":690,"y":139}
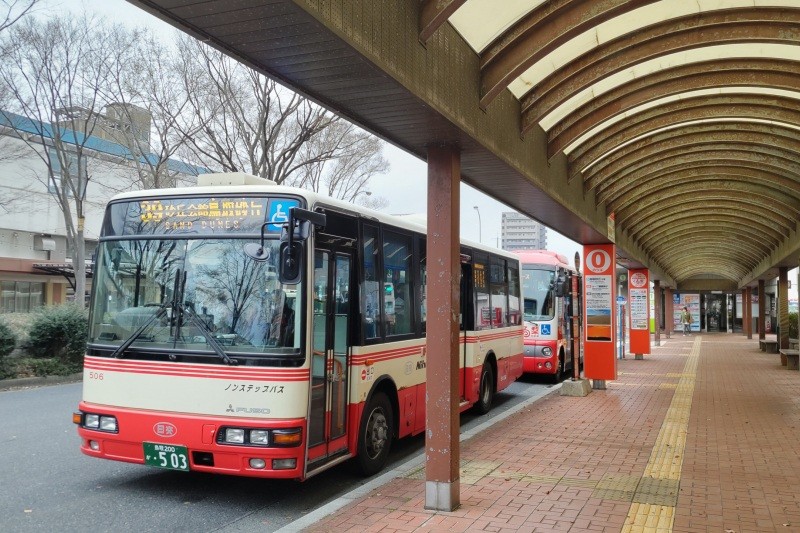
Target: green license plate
{"x":166,"y":456}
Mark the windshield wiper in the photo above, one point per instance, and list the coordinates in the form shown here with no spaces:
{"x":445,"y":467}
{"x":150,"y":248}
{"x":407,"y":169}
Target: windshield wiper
{"x":120,"y":350}
{"x":201,"y":326}
{"x":162,"y":310}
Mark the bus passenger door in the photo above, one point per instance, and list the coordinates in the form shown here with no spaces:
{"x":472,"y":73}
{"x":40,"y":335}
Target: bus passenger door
{"x":327,"y":423}
{"x":466,"y":314}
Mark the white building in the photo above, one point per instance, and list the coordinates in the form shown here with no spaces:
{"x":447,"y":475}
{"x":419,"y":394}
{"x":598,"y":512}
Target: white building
{"x":519,"y":232}
{"x":35,"y":264}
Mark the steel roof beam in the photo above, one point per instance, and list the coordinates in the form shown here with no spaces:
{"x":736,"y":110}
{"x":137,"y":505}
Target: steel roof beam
{"x":750,"y":224}
{"x":702,"y":183}
{"x":784,"y":110}
{"x":756,"y":136}
{"x":761,"y":73}
{"x":540,"y":32}
{"x":674,"y":35}
{"x":748,"y":208}
{"x":723,"y":167}
{"x":724,"y":225}
{"x":434,"y":13}
{"x":677,"y":245}
{"x":738,"y":154}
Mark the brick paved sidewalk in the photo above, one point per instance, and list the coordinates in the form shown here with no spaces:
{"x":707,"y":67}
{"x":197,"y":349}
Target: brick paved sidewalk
{"x":697,"y":437}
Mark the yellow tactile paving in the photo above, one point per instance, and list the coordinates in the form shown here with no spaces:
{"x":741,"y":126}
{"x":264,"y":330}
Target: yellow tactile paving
{"x":666,"y":458}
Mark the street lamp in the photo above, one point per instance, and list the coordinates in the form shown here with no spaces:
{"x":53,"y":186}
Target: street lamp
{"x":480,"y":239}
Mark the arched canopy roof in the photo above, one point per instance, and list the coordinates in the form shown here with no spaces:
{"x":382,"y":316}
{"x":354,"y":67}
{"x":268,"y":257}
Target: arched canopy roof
{"x":681,"y":119}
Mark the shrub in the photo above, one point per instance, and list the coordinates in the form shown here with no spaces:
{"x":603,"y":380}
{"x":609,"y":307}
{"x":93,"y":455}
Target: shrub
{"x":52,"y":367}
{"x":7,"y":343}
{"x":20,"y":324}
{"x":793,"y":326}
{"x":59,"y":332}
{"x":7,"y":339}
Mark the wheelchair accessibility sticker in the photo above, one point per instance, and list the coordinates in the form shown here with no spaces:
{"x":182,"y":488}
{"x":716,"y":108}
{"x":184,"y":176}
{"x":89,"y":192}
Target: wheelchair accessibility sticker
{"x":545,"y":329}
{"x":278,"y":213}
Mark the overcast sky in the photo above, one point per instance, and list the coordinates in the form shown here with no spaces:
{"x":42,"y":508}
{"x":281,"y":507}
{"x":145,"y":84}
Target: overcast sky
{"x":405,"y":169}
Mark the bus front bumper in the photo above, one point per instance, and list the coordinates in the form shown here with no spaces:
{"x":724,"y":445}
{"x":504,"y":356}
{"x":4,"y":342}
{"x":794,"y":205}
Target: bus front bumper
{"x":199,"y":442}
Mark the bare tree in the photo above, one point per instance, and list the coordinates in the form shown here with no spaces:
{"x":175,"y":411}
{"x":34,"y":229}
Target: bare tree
{"x":147,"y":83}
{"x":11,"y":11}
{"x":56,"y":73}
{"x":347,"y":176}
{"x":250,"y":124}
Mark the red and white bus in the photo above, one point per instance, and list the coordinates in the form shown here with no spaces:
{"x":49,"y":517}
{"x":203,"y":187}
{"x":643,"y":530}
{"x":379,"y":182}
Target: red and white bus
{"x":222,"y":341}
{"x":548,"y":296}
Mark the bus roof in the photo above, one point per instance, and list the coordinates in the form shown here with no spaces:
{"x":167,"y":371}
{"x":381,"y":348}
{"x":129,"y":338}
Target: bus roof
{"x":416,"y":222}
{"x":543,"y":257}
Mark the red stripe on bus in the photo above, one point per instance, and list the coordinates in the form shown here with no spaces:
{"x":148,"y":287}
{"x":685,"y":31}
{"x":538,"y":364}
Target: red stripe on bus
{"x":190,"y":370}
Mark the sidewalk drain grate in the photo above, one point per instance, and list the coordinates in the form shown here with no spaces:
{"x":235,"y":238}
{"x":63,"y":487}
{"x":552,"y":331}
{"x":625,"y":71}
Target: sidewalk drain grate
{"x":470,"y":472}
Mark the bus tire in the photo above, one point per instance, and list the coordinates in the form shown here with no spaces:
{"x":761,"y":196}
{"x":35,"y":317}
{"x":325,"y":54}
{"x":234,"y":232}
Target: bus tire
{"x":375,"y":434}
{"x":485,"y":390}
{"x":559,"y":375}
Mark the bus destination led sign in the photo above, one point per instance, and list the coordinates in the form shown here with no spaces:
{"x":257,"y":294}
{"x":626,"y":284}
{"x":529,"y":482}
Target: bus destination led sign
{"x":196,"y":215}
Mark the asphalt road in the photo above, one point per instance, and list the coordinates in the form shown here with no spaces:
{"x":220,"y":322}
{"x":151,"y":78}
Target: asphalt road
{"x":48,"y":485}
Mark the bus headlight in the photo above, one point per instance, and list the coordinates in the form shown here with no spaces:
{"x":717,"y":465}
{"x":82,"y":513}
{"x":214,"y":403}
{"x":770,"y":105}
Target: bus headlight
{"x":108,"y":423}
{"x":259,"y":436}
{"x":234,"y":436}
{"x":91,"y":421}
{"x":280,"y":438}
{"x":96,"y":422}
{"x":546,"y":351}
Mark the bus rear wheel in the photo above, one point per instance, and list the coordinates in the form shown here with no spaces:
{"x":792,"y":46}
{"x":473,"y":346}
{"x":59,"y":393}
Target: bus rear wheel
{"x":486,"y":390}
{"x":375,"y":434}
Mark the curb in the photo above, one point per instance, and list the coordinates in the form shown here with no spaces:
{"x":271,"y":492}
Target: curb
{"x":355,"y":494}
{"x":24,"y":383}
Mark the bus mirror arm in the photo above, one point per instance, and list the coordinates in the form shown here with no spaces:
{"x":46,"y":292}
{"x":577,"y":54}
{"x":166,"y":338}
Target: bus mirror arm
{"x":256,"y":250}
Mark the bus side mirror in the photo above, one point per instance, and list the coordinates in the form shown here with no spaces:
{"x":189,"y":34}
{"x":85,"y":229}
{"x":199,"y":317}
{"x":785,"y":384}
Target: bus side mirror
{"x":291,"y":261}
{"x":296,"y":232}
{"x":562,"y":287}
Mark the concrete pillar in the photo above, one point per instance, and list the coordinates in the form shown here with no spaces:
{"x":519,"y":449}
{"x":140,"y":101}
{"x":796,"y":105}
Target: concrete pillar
{"x":668,"y":320}
{"x":744,"y":312}
{"x":748,"y":312}
{"x":657,"y":307}
{"x":762,"y":306}
{"x":783,"y":308}
{"x":442,"y":454}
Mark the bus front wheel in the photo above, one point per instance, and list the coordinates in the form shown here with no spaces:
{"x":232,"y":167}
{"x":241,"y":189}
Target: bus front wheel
{"x":486,"y":391}
{"x":375,"y":434}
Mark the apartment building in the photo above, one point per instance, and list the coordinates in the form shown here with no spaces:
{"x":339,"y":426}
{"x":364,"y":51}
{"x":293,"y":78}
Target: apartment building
{"x":518,"y":232}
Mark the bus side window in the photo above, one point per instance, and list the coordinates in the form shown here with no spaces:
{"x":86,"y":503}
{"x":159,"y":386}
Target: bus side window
{"x":514,"y":315}
{"x":397,"y":291}
{"x":371,"y":289}
{"x":499,"y":292}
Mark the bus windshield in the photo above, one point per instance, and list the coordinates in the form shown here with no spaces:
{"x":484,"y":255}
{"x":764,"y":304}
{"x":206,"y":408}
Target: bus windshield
{"x":537,"y":291}
{"x":193,"y":294}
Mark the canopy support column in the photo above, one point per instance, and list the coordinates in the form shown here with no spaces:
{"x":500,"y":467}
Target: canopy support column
{"x":762,"y":300}
{"x":442,"y":488}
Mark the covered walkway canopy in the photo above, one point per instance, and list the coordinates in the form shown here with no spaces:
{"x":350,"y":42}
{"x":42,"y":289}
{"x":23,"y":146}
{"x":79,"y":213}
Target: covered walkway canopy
{"x":679,"y":120}
{"x":670,"y":127}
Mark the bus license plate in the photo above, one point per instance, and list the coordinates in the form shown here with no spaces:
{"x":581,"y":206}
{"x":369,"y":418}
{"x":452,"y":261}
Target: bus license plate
{"x":166,"y":456}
